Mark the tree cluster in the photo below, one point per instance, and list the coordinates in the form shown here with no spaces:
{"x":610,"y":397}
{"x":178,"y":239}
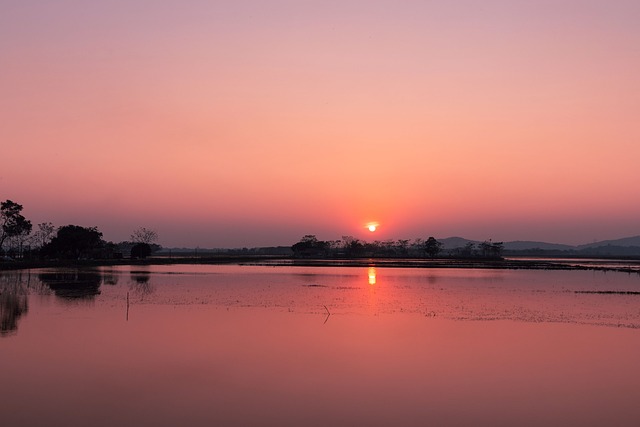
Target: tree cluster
{"x":69,"y":242}
{"x":310,"y":246}
{"x":14,"y":227}
{"x":349,"y":247}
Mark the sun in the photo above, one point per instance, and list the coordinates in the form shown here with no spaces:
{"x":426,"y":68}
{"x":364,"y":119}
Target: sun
{"x":372,"y":226}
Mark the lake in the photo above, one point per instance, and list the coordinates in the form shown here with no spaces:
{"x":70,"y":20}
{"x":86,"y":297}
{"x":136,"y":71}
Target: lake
{"x":318,"y":346}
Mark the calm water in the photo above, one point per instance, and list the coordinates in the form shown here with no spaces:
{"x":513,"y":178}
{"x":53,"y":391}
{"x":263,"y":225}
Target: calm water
{"x":278,"y":346}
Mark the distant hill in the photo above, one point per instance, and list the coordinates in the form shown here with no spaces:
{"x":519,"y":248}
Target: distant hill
{"x":524,"y":245}
{"x":624,"y":242}
{"x":454,"y":242}
{"x":626,"y":247}
{"x":459,"y":242}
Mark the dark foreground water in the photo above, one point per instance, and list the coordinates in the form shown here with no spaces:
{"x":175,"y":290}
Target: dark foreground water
{"x":279,"y":346}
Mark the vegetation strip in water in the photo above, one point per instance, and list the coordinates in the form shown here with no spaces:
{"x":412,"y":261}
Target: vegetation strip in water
{"x":609,"y":292}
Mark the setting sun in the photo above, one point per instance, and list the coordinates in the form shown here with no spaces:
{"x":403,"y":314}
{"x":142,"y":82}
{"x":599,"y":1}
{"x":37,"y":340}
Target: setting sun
{"x":372,"y":228}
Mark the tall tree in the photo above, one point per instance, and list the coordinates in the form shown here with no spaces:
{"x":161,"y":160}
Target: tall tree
{"x":485,"y":249}
{"x":496,"y":249}
{"x":44,"y":234}
{"x":432,"y":247}
{"x":468,"y":250}
{"x":490,"y":249}
{"x":402,"y":245}
{"x":12,"y":223}
{"x":144,"y":235}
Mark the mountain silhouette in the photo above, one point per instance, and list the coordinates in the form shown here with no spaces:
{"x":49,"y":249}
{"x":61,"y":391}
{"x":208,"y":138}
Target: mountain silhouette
{"x":626,"y":244}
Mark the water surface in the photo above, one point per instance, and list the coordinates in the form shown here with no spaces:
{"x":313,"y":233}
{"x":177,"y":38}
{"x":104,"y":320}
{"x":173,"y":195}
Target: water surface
{"x":240,"y":345}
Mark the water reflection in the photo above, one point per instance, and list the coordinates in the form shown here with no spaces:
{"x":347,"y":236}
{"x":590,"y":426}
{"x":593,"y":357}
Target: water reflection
{"x":224,"y":348}
{"x":110,"y":277}
{"x":74,"y":284}
{"x":140,"y":283}
{"x":372,"y":275}
{"x":374,"y":292}
{"x":13,"y":302}
{"x":68,"y":285}
{"x":458,"y":294}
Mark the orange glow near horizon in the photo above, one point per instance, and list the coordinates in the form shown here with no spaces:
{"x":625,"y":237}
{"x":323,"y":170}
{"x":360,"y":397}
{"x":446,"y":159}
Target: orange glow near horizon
{"x":220,"y":127}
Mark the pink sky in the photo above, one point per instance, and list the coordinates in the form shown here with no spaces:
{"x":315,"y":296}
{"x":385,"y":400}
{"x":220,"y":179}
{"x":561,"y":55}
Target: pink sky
{"x":252,"y":123}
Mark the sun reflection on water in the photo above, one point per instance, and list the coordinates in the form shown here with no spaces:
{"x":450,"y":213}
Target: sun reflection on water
{"x":372,"y":275}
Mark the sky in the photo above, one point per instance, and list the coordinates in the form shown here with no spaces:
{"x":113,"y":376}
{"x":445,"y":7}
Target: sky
{"x":252,"y":123}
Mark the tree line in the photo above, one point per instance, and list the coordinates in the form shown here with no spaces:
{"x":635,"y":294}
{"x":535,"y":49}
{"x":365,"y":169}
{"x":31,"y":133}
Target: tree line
{"x":19,"y":240}
{"x":349,"y":247}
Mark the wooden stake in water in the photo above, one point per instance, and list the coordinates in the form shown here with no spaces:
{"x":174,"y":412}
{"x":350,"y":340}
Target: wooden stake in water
{"x":127,"y":306}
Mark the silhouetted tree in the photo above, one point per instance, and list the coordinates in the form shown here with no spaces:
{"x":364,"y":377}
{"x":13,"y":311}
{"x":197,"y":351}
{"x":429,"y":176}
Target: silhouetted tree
{"x":144,"y":235}
{"x":496,"y":249}
{"x":44,"y":234}
{"x":310,"y":246}
{"x":432,"y":247}
{"x":381,"y":249}
{"x":12,"y":223}
{"x":140,"y":251}
{"x":352,"y":246}
{"x":485,"y":249}
{"x":76,"y":242}
{"x":416,"y":248}
{"x":403,"y":247}
{"x":488,"y":249}
{"x":468,"y":250}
